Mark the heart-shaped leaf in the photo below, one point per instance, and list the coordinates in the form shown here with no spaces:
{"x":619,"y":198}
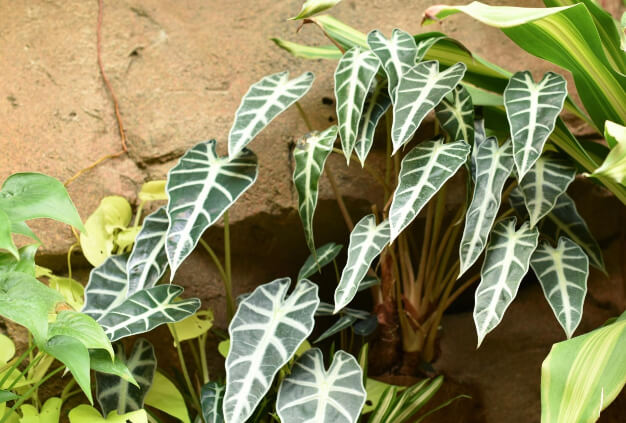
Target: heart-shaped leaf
{"x":313,"y":394}
{"x":265,"y":332}
{"x":153,"y":191}
{"x":420,"y":89}
{"x":265,"y":100}
{"x":375,"y":108}
{"x":25,"y":264}
{"x":532,"y":110}
{"x":212,"y":400}
{"x":100,"y":361}
{"x":493,"y":166}
{"x":543,"y":184}
{"x":456,"y":115}
{"x":353,"y":78}
{"x":6,"y":240}
{"x":82,"y":327}
{"x":87,"y":414}
{"x":310,"y":155}
{"x":424,"y":171}
{"x":165,"y":396}
{"x":397,"y":55}
{"x":367,"y":241}
{"x":201,"y":187}
{"x":119,"y":395}
{"x":322,"y":256}
{"x":73,"y":354}
{"x":562,"y":273}
{"x":148,"y":260}
{"x":506,"y":262}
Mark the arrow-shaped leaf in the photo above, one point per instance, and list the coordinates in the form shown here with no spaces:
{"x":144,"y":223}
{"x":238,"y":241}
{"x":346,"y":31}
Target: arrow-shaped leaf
{"x":424,"y":171}
{"x":567,"y":221}
{"x":148,"y":260}
{"x":532,"y":110}
{"x":562,"y":273}
{"x":147,"y":309}
{"x":116,"y":394}
{"x":397,"y":55}
{"x":265,"y":100}
{"x":493,"y":167}
{"x":310,"y":155}
{"x":543,"y":184}
{"x":265,"y":332}
{"x":506,"y":263}
{"x":323,"y":255}
{"x":107,"y":287}
{"x":313,"y":394}
{"x":420,"y":89}
{"x":456,"y":115}
{"x":375,"y":108}
{"x":367,"y":240}
{"x":201,"y":187}
{"x":353,"y":77}
{"x":212,"y":400}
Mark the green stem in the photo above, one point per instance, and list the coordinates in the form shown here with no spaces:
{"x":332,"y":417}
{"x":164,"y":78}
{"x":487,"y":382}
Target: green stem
{"x":138,"y":215}
{"x":32,"y":364}
{"x":217,"y":262}
{"x":203,"y":362}
{"x":229,"y":278}
{"x":16,"y":365}
{"x":304,"y":116}
{"x":66,"y":393}
{"x":29,"y":393}
{"x":183,"y":367}
{"x":69,"y":259}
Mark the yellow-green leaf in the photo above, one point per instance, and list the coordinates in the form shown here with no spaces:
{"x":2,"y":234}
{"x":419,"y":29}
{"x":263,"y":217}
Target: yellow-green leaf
{"x":87,"y":414}
{"x":614,"y":165}
{"x":223,"y":347}
{"x":193,"y":326}
{"x":7,"y":349}
{"x":153,"y":191}
{"x":72,"y":290}
{"x":165,"y":396}
{"x":50,"y":412}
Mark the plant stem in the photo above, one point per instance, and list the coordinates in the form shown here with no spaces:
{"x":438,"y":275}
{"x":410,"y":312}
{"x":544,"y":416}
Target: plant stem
{"x":183,"y":367}
{"x":16,"y":365}
{"x":69,"y":259}
{"x":66,"y":390}
{"x":29,"y":393}
{"x":229,"y":278}
{"x":203,"y":363}
{"x":416,"y":294}
{"x":216,"y":261}
{"x":339,"y":198}
{"x":138,"y":215}
{"x":32,"y":364}
{"x":304,"y":116}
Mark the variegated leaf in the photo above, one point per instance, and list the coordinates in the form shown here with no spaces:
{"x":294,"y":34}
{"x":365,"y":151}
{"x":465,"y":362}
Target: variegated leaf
{"x":424,"y":171}
{"x":344,"y":322}
{"x":313,"y":394}
{"x":480,"y":136}
{"x":493,"y":167}
{"x":506,"y":263}
{"x":107,"y":287}
{"x":147,"y":309}
{"x":420,"y":89}
{"x":456,"y":115}
{"x":116,"y":394}
{"x":532,"y":110}
{"x":375,"y":108}
{"x":265,"y":100}
{"x":562,"y":273}
{"x":565,"y":220}
{"x":543,"y":184}
{"x":353,"y":77}
{"x":322,"y":256}
{"x":397,"y":55}
{"x":265,"y":332}
{"x":310,"y":155}
{"x":148,"y":260}
{"x":313,"y":7}
{"x":212,"y":400}
{"x":201,"y":187}
{"x":367,"y":240}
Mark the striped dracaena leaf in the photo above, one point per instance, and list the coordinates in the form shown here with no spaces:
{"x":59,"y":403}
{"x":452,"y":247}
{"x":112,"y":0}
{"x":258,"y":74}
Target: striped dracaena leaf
{"x":420,"y":89}
{"x":562,"y":273}
{"x":147,"y":309}
{"x":456,"y":115}
{"x":367,"y":240}
{"x":423,"y":172}
{"x":265,"y":333}
{"x":565,"y":220}
{"x":148,"y":260}
{"x":201,"y":187}
{"x":543,"y":184}
{"x":310,"y":155}
{"x":322,"y":256}
{"x":532,"y":110}
{"x":375,"y":108}
{"x":107,"y":287}
{"x":212,"y":400}
{"x":506,"y":263}
{"x":353,"y":77}
{"x":117,"y":394}
{"x":397,"y":55}
{"x":582,"y":376}
{"x":265,"y":100}
{"x":493,"y":167}
{"x":313,"y":394}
